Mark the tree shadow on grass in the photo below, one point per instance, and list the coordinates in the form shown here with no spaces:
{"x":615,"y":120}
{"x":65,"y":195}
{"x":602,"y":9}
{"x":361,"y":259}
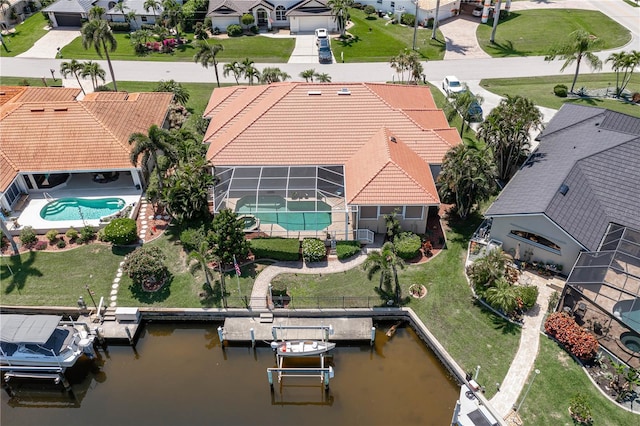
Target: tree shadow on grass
{"x":348,"y":41}
{"x":500,"y":323}
{"x":211,"y":297}
{"x":505,"y":49}
{"x":19,"y":271}
{"x":586,"y":101}
{"x":151,"y":297}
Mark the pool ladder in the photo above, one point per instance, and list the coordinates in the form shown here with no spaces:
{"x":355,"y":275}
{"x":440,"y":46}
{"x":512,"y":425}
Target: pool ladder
{"x":48,"y":196}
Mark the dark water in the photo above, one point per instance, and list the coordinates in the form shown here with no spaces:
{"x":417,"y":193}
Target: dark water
{"x":178,"y":374}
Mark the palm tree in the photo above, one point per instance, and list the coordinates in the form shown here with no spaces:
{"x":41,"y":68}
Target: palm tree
{"x":204,"y":257}
{"x":234,"y":68}
{"x":4,"y":6}
{"x":308,"y":74}
{"x":206,"y":55}
{"x":503,"y":295}
{"x":155,"y":5}
{"x":400,"y":64}
{"x":96,"y":12}
{"x":156,"y":140}
{"x":74,"y":68}
{"x":187,"y":189}
{"x":273,"y":75}
{"x":97,"y":33}
{"x":180,"y":94}
{"x":461,"y":104}
{"x":172,"y":14}
{"x":577,"y":47}
{"x":249,"y":71}
{"x":496,"y":19}
{"x":5,"y":231}
{"x":340,"y":12}
{"x":120,"y":7}
{"x":93,"y":70}
{"x":323,"y":77}
{"x":624,"y":62}
{"x":387,"y":262}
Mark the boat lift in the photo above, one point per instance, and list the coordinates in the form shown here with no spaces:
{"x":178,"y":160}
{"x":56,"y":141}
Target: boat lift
{"x":324,"y":373}
{"x":33,"y":372}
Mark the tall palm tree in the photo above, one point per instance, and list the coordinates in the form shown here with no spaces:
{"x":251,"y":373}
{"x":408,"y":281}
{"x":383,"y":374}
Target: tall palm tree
{"x":74,"y":68}
{"x":203,"y":256}
{"x":94,"y":71}
{"x":173,"y":15}
{"x":234,"y":68}
{"x":206,"y":55}
{"x":249,"y":71}
{"x":387,"y":262}
{"x":308,"y":74}
{"x":340,"y":12}
{"x":273,"y":75}
{"x":155,"y":5}
{"x":187,"y":189}
{"x":180,"y":94}
{"x":625,"y":63}
{"x":96,"y":12}
{"x":156,"y":140}
{"x":461,"y":104}
{"x":496,"y":19}
{"x":577,"y":47}
{"x":97,"y":33}
{"x":400,"y":64}
{"x":5,"y":231}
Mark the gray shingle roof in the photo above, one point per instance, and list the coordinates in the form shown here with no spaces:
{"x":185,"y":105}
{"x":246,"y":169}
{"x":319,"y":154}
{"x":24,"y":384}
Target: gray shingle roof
{"x":70,"y":6}
{"x":595,"y":153}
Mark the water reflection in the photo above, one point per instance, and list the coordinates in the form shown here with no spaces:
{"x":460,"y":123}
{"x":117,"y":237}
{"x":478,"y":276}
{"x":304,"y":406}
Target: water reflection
{"x":178,"y":374}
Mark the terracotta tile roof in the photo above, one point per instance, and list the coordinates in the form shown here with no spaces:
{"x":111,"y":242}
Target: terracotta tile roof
{"x":8,"y":93}
{"x":48,"y":94}
{"x":76,"y":135}
{"x":106,"y":96}
{"x":387,"y":171}
{"x":9,"y":171}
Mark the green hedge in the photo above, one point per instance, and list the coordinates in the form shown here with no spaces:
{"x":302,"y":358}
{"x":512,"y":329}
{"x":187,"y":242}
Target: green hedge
{"x":275,"y":248}
{"x":313,"y":250}
{"x":407,"y":245}
{"x":121,"y":231}
{"x":346,"y":249}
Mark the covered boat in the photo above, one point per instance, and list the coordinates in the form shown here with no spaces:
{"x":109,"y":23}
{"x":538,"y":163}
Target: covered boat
{"x":43,"y":341}
{"x":302,"y":347}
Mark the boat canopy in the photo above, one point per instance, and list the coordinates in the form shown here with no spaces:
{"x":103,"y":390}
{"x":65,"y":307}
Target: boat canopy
{"x":28,"y":329}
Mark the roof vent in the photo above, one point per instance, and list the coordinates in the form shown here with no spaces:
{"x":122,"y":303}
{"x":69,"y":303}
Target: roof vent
{"x":563,"y":189}
{"x":314,"y":92}
{"x":61,"y":109}
{"x":392,"y":139}
{"x":37,"y":109}
{"x":344,"y":91}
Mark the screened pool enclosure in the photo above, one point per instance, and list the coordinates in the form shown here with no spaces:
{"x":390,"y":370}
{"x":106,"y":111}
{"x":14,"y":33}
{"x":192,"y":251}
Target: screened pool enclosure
{"x":306,"y":200}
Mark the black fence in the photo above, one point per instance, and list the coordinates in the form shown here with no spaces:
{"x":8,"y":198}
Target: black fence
{"x":319,"y":302}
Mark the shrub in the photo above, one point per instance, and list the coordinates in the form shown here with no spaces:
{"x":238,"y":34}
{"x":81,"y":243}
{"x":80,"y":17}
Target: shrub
{"x":313,"y":250}
{"x":100,"y":235}
{"x":574,"y":338}
{"x":561,"y":90}
{"x":216,"y":31}
{"x":407,"y":245}
{"x":61,"y":244}
{"x":87,"y":234}
{"x":52,"y":235}
{"x":369,"y":10}
{"x":247,"y":19}
{"x":408,"y":19}
{"x":580,"y":409}
{"x":71,"y":233}
{"x":28,"y":236}
{"x":4,"y":243}
{"x":234,"y":30}
{"x":146,"y":264}
{"x":275,"y":248}
{"x":254,"y":29}
{"x":430,"y":23}
{"x":192,"y":238}
{"x":120,"y":26}
{"x":121,"y":231}
{"x":346,"y":249}
{"x":528,"y":296}
{"x":41,"y":245}
{"x":357,"y":5}
{"x":147,"y":27}
{"x":207,"y":22}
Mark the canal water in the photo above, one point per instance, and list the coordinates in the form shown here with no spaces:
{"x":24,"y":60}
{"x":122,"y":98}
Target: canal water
{"x":178,"y":374}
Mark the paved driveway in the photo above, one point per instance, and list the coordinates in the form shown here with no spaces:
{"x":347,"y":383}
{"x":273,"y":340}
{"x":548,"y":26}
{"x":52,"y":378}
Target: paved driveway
{"x":47,"y":46}
{"x":305,"y":50}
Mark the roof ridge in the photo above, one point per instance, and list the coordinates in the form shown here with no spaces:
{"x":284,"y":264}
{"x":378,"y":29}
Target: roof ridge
{"x":104,"y":126}
{"x":8,"y":160}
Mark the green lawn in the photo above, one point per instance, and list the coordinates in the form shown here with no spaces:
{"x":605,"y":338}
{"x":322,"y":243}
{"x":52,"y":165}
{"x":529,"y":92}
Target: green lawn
{"x":534,"y":32}
{"x":540,"y":90}
{"x":559,"y":380}
{"x":19,"y":81}
{"x":57,"y":279}
{"x":27,"y":33}
{"x":384,"y":41}
{"x":257,"y":48}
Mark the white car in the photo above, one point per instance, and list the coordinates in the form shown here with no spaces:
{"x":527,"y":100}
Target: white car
{"x":477,"y":11}
{"x":321,"y":33}
{"x":451,"y":85}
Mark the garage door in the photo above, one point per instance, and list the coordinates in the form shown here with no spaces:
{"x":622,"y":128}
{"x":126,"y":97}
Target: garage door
{"x":310,"y":23}
{"x":68,"y":19}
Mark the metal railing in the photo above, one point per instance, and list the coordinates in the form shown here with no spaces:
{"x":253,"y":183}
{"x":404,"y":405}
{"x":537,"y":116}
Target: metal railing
{"x":317,"y":302}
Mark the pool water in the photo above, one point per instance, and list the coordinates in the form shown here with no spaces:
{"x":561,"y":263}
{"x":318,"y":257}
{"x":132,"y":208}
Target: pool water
{"x":81,"y":208}
{"x":305,"y":215}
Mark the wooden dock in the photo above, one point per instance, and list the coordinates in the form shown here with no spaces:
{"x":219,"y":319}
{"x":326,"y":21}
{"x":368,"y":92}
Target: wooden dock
{"x":238,"y":329}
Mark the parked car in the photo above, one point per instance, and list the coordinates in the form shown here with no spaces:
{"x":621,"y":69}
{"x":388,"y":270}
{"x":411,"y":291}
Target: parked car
{"x":321,"y":34}
{"x":323,"y":43}
{"x":324,"y":55}
{"x":475,"y":112}
{"x":451,"y":85}
{"x":477,"y":11}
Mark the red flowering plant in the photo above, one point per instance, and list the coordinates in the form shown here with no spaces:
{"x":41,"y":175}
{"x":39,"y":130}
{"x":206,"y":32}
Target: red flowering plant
{"x":574,"y":338}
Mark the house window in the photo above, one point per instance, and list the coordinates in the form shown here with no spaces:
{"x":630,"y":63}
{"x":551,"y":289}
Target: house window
{"x":111,"y":5}
{"x":393,"y":4}
{"x":280,"y":11}
{"x":390,"y":210}
{"x":143,"y":18}
{"x":413,"y":212}
{"x":368,"y":212}
{"x":12,"y":193}
{"x":536,"y":239}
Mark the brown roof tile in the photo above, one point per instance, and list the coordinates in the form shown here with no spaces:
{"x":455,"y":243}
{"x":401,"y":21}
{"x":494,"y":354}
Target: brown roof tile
{"x":48,"y":94}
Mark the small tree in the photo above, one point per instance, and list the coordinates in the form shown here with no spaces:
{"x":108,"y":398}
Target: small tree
{"x":180,"y":94}
{"x":121,"y":231}
{"x":227,"y":237}
{"x":369,"y":10}
{"x":393,"y":225}
{"x":145,"y":266}
{"x":247,"y":19}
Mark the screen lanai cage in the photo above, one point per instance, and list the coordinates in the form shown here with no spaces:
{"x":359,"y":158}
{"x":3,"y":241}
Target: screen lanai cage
{"x":609,"y":281}
{"x":287,"y":201}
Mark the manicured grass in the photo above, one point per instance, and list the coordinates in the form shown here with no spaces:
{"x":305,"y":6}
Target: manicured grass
{"x":535,"y":32}
{"x":58,"y":278}
{"x":384,"y":41}
{"x":559,"y":380}
{"x":18,"y":81}
{"x":257,"y":48}
{"x":540,"y":90}
{"x":469,"y":136}
{"x":27,"y":33}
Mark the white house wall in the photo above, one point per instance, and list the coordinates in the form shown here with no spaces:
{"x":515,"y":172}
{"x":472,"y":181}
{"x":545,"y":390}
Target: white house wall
{"x":426,"y":9}
{"x":222,"y":23}
{"x":542,"y":226}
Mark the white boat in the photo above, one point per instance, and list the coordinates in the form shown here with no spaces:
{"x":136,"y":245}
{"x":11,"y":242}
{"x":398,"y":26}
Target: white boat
{"x":470,"y":411}
{"x":302,"y":347}
{"x":42,"y":341}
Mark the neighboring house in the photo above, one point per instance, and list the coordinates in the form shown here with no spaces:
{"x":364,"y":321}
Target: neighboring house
{"x":142,"y":16}
{"x":17,"y":11}
{"x":310,"y":158}
{"x":49,"y":137}
{"x":298,"y":16}
{"x":69,"y":13}
{"x":426,"y":8}
{"x":582,"y":178}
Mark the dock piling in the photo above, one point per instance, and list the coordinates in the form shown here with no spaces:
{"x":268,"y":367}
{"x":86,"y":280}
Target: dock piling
{"x":253,"y":337}
{"x":270,"y":377}
{"x":221,"y":335}
{"x":373,"y":335}
{"x":129,"y":336}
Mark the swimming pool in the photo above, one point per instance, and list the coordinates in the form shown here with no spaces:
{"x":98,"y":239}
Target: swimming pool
{"x":304,"y":215}
{"x":81,"y":208}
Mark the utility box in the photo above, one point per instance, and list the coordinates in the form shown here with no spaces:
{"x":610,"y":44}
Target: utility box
{"x":127,"y":315}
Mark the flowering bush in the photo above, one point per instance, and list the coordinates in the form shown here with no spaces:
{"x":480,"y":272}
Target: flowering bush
{"x":41,"y":245}
{"x":575,"y":339}
{"x":121,"y":231}
{"x":313,"y":250}
{"x":145,"y":265}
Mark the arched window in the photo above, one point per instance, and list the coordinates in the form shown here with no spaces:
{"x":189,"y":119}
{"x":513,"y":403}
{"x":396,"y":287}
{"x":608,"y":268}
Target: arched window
{"x":280,"y":10}
{"x":530,"y":237}
{"x":111,"y":5}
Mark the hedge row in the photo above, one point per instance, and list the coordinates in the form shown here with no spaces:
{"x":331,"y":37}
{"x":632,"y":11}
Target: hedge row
{"x":346,"y":249}
{"x":574,"y":338}
{"x":275,"y":248}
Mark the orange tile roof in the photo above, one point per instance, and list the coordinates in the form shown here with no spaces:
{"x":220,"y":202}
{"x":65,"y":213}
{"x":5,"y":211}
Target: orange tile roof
{"x":8,"y":172}
{"x":307,"y":123}
{"x":72,"y":135}
{"x":8,"y":93}
{"x":48,"y":94}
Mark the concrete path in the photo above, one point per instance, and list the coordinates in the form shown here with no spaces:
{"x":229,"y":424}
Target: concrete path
{"x":47,"y":46}
{"x":522,"y":365}
{"x":305,"y":50}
